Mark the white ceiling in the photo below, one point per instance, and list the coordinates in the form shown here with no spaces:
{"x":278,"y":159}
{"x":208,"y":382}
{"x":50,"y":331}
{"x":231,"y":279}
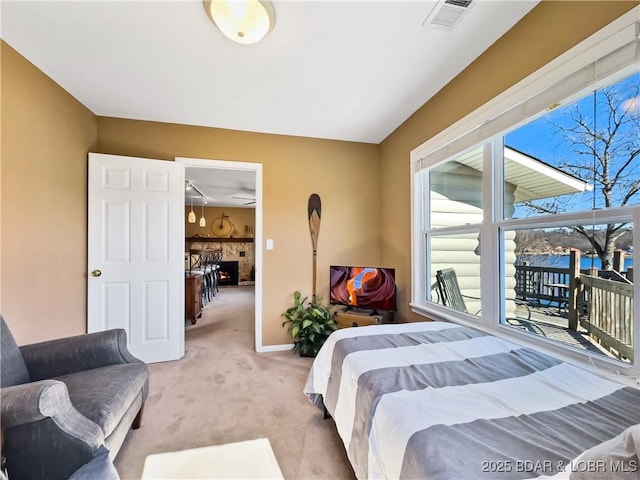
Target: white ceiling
{"x":222,"y":187}
{"x":329,"y":69}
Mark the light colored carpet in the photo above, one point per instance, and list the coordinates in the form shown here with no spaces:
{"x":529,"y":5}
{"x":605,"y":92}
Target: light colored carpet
{"x":251,"y":459}
{"x":223,"y":392}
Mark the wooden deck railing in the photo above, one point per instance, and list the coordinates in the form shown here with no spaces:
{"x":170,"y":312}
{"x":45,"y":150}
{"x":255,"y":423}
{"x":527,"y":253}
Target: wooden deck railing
{"x":602,"y":306}
{"x":609,"y":314}
{"x":538,"y":284}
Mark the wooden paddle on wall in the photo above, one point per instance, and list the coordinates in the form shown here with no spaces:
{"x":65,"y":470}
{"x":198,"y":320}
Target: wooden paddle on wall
{"x":314,"y":209}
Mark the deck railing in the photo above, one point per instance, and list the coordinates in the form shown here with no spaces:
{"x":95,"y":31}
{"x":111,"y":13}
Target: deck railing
{"x":601,"y":302}
{"x":609,"y":314}
{"x":537,"y":284}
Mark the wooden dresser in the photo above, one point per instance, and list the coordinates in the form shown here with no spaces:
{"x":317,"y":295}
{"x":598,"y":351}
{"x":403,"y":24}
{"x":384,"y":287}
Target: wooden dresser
{"x":193,"y":297}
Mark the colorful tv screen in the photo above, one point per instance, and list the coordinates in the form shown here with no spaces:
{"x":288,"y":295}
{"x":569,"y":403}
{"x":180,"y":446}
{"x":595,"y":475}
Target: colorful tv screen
{"x":363,"y":287}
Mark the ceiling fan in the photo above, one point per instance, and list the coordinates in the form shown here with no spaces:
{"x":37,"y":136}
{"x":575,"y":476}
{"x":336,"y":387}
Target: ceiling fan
{"x":251,"y":201}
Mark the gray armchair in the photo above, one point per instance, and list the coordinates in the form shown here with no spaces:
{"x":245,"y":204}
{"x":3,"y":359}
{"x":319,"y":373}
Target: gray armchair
{"x":67,"y":404}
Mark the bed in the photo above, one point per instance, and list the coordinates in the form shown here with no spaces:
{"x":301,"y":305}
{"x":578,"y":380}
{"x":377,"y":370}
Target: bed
{"x":439,"y":400}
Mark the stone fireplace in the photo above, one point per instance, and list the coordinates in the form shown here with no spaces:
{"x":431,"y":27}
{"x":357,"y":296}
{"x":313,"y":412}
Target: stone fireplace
{"x":239,"y":250}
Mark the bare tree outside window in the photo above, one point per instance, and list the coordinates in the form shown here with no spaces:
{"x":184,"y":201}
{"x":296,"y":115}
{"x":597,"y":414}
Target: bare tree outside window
{"x":599,"y":143}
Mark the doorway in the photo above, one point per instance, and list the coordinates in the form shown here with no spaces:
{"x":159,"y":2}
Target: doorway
{"x":256,"y":170}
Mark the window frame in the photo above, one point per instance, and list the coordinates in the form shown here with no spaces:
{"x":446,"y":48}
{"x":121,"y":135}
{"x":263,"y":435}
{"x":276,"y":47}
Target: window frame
{"x":620,"y":32}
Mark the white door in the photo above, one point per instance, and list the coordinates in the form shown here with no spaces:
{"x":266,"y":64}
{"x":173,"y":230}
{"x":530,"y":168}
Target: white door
{"x":136,"y":253}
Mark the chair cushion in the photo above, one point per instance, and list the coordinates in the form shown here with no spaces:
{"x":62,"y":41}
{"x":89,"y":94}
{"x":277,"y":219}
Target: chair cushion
{"x":14,"y":371}
{"x":104,"y":394}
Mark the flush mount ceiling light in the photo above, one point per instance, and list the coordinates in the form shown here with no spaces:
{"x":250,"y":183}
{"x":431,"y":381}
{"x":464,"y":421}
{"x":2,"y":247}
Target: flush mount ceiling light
{"x":243,"y":21}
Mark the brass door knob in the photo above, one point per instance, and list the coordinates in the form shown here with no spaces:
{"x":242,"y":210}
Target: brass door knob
{"x":96,"y":273}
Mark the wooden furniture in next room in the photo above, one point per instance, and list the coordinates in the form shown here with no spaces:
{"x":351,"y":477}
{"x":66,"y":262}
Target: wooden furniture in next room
{"x":193,"y":296}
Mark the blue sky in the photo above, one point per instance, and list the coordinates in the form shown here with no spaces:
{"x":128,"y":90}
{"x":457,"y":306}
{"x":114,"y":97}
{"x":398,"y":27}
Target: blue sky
{"x":540,"y":139}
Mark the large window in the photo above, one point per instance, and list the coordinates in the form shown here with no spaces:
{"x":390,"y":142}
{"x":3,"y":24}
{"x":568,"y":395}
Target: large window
{"x":529,"y":224}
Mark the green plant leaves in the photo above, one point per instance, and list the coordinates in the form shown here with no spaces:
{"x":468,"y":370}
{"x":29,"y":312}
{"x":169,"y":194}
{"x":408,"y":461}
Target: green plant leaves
{"x":294,"y":330}
{"x":309,"y":325}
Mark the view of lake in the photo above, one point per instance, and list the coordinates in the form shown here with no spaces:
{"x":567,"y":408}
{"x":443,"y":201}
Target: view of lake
{"x":562,"y":261}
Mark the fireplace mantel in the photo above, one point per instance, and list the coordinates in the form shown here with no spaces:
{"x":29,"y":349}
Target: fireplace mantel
{"x":218,"y":239}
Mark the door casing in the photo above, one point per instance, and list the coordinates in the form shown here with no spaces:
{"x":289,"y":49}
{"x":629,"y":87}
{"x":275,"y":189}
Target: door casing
{"x":257,"y":169}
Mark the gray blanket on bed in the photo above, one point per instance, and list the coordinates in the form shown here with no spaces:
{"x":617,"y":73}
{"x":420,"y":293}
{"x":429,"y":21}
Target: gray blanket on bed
{"x":453,"y":402}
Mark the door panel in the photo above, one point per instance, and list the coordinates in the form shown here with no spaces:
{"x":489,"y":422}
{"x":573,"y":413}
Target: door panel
{"x":117,"y":233}
{"x":155,"y":301}
{"x":136,"y":238}
{"x":156,"y":233}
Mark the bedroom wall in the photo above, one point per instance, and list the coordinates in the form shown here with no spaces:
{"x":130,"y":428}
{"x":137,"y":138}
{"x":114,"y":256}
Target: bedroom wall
{"x":45,"y":137}
{"x":342,"y":173}
{"x":550,"y":29}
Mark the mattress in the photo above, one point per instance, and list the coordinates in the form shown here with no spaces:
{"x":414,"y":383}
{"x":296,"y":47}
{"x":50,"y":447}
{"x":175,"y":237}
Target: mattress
{"x":439,"y":400}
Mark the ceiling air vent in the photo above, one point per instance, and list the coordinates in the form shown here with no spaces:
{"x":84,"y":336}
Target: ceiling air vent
{"x":446,"y":14}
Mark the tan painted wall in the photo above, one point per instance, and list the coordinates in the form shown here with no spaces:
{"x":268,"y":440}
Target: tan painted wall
{"x":550,"y":29}
{"x":344,"y":174}
{"x":45,"y":137}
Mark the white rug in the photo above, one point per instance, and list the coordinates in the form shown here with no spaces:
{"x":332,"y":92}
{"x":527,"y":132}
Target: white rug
{"x":253,"y":459}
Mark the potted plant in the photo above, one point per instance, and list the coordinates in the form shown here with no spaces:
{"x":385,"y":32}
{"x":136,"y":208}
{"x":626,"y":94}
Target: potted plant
{"x":309,"y":325}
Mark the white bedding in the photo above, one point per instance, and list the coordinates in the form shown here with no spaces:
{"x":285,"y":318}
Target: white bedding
{"x":438,"y":400}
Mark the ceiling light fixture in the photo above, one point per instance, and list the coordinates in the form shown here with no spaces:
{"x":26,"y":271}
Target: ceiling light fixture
{"x":243,"y":21}
{"x":203,"y":222}
{"x":191,"y":218}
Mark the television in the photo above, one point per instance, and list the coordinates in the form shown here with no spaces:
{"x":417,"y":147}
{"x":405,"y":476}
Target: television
{"x":363,"y":287}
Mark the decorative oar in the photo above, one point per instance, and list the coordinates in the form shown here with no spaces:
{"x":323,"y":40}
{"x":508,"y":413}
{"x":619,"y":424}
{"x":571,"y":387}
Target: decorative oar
{"x":314,"y":226}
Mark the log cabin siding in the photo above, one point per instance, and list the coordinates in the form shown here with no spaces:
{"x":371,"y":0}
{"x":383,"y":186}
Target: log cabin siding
{"x":456,"y":200}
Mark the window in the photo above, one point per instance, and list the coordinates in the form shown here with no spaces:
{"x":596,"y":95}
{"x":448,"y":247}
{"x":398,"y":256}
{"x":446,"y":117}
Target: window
{"x":527,"y":225}
{"x":455,"y":211}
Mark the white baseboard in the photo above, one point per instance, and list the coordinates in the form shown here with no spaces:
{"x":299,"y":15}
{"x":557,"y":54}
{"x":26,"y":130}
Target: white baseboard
{"x":274,"y":348}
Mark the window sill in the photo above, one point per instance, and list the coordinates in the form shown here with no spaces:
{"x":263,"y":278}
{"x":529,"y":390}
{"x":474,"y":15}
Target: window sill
{"x":613,"y":369}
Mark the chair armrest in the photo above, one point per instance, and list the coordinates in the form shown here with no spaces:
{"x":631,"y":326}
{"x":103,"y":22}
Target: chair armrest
{"x":44,"y":435}
{"x":32,"y":402}
{"x":75,"y":354}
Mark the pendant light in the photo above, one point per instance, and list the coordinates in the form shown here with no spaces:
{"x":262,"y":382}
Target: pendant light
{"x":203,"y":222}
{"x":191,"y":218}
